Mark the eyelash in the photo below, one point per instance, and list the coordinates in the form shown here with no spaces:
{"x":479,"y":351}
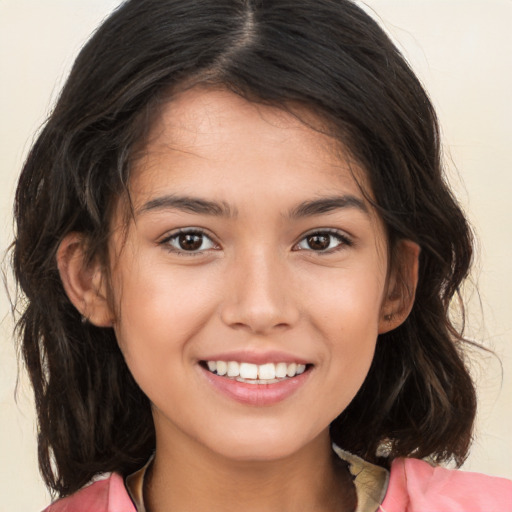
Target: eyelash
{"x":344,"y":241}
{"x":189,"y":231}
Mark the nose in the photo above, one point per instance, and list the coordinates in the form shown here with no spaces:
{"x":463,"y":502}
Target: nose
{"x":260,"y":297}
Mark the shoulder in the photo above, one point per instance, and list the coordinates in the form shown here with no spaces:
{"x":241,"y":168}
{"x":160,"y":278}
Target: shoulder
{"x":416,"y":486}
{"x":106,"y":495}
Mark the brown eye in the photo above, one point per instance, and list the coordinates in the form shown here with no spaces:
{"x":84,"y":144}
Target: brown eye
{"x":319,"y":242}
{"x":190,"y":241}
{"x":324,"y":241}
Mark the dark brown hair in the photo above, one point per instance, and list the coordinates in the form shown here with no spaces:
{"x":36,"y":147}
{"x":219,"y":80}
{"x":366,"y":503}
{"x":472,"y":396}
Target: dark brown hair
{"x":326,"y":55}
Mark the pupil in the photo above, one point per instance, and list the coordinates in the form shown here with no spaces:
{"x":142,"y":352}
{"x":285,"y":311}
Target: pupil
{"x":318,"y":242}
{"x":190,"y":241}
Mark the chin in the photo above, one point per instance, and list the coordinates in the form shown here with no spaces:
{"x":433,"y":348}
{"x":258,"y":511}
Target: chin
{"x":261,"y":445}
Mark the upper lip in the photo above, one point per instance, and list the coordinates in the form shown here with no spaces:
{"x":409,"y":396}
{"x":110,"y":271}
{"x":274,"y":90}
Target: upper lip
{"x":243,"y":356}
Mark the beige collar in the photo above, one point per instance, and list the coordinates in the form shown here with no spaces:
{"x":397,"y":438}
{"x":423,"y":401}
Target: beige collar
{"x":371,"y":482}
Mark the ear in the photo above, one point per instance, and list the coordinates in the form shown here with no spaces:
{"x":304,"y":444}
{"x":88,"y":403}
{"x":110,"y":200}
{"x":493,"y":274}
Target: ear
{"x":401,"y":287}
{"x":85,"y":283}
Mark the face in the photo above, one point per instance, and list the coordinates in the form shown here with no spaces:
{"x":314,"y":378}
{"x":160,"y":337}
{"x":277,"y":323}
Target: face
{"x":251,"y":284}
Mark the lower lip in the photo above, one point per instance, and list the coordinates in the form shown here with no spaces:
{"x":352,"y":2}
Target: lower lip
{"x":256,"y":394}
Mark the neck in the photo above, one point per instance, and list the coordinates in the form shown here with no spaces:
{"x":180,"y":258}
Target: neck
{"x":311,"y":479}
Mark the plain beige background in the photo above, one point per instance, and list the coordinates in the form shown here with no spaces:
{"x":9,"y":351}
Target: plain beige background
{"x":461,"y":49}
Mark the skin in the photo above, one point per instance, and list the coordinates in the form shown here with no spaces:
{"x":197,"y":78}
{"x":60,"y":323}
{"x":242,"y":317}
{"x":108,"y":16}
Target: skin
{"x":256,"y":284}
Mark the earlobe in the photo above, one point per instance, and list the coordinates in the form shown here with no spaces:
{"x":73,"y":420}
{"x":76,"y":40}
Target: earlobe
{"x":401,"y":289}
{"x":84,"y":283}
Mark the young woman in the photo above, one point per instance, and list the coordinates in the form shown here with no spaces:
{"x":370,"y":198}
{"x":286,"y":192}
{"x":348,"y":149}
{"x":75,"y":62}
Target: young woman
{"x":238,"y":252}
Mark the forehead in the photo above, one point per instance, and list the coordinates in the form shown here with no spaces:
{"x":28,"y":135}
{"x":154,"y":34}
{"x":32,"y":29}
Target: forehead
{"x":209,"y":139}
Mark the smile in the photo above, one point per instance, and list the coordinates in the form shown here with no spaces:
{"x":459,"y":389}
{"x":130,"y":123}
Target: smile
{"x":261,"y":379}
{"x":268,"y":373}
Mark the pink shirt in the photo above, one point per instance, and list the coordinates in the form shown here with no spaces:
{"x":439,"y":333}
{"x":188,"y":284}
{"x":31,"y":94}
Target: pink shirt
{"x":414,"y":486}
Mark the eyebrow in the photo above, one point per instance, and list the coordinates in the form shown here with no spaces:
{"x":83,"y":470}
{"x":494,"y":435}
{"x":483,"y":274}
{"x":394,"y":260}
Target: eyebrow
{"x":222,"y":209}
{"x":188,"y":204}
{"x":326,"y":205}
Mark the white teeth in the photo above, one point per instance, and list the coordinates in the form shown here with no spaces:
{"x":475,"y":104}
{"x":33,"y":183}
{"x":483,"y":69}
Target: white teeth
{"x":257,"y":381}
{"x":222,"y":368}
{"x":248,"y":371}
{"x":233,"y":369}
{"x":281,"y":370}
{"x":292,"y":370}
{"x":267,"y":373}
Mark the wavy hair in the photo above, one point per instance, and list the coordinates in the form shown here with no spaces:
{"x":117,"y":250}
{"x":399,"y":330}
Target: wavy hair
{"x":326,"y":55}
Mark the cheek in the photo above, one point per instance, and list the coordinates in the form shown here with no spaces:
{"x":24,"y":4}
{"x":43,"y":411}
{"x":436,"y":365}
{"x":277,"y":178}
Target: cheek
{"x":345,"y":309}
{"x":345,"y":299}
{"x":160,"y":311}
